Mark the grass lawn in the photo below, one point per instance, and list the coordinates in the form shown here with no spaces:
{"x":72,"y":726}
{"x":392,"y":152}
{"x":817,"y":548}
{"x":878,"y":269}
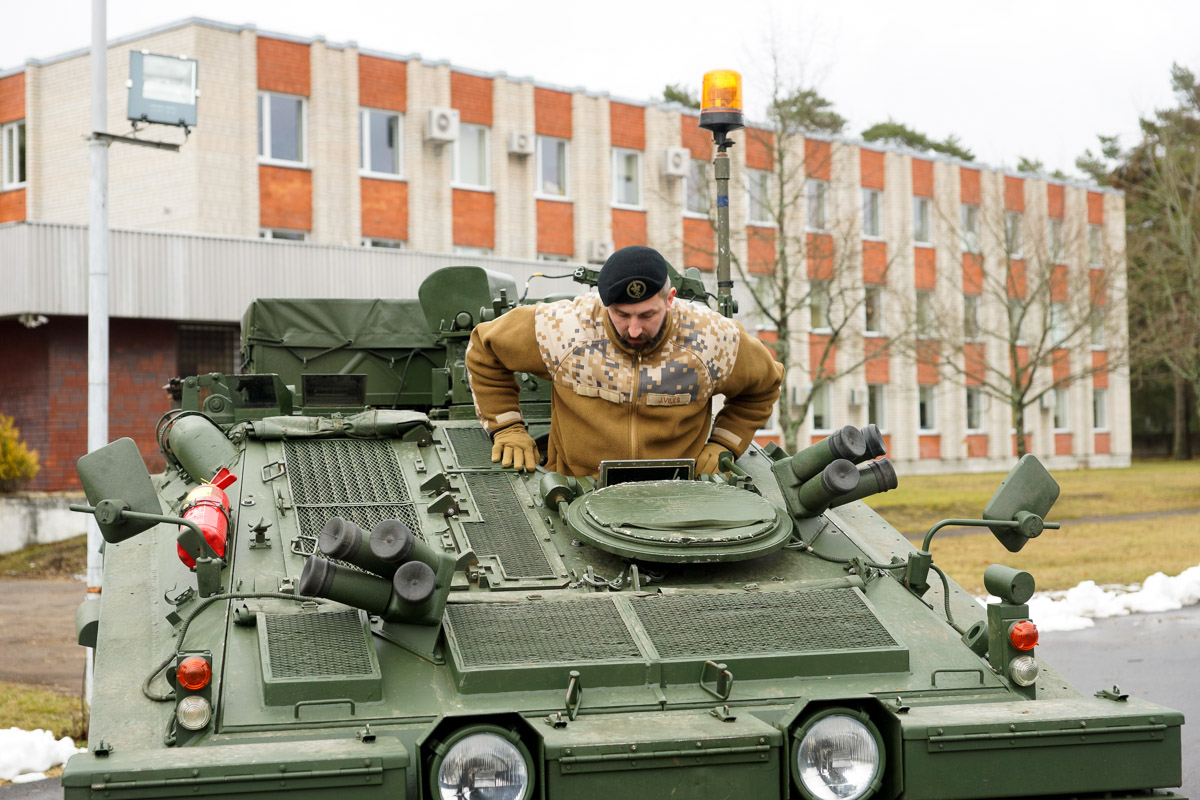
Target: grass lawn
{"x":55,"y":561}
{"x":29,"y":708}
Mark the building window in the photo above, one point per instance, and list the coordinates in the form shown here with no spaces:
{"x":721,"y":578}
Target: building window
{"x":1058,"y":323}
{"x":970,"y":228}
{"x":1054,"y":240}
{"x":695,"y":188}
{"x":1100,"y":409}
{"x":281,"y":128}
{"x":974,"y":408}
{"x":873,"y":308}
{"x":927,"y":412}
{"x":815,"y":192}
{"x":555,"y":257}
{"x":283,"y":235}
{"x":472,"y":166}
{"x":872,"y":203}
{"x":877,"y":405}
{"x":818,"y":302}
{"x":626,"y":177}
{"x":391,"y":244}
{"x":381,"y":138}
{"x":820,"y":407}
{"x":971,"y":316}
{"x":1095,"y":245}
{"x":1096,"y":323}
{"x":465,"y":250}
{"x":924,"y":313}
{"x":921,"y":228}
{"x":551,"y":166}
{"x":1060,"y":410}
{"x":12,"y":150}
{"x":1016,"y":319}
{"x":1012,"y":233}
{"x":758,"y":197}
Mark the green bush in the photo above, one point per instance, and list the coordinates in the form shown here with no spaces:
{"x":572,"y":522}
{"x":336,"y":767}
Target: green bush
{"x":18,"y":464}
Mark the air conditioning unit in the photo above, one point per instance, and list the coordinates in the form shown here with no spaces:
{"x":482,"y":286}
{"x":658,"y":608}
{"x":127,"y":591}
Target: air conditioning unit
{"x":857,"y":397}
{"x":676,"y":161}
{"x":599,"y":251}
{"x":443,"y":125}
{"x":521,"y":144}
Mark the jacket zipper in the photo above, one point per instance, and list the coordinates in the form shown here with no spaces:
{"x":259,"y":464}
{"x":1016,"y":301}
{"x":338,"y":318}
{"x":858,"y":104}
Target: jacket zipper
{"x":633,"y":439}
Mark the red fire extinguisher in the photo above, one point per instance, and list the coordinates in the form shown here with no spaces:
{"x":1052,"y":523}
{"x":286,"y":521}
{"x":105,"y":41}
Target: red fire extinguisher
{"x":208,"y":506}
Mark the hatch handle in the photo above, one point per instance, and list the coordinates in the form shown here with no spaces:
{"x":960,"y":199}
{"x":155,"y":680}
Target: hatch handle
{"x":574,"y":696}
{"x":329,"y":702}
{"x":716,"y":679}
{"x":933,"y":676}
{"x":273,"y":470}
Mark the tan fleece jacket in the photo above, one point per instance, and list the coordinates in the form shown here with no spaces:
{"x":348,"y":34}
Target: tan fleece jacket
{"x":611,"y":403}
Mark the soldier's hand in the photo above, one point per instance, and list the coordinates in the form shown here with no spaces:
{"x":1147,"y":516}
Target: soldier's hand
{"x":708,"y":462}
{"x":514,"y":447}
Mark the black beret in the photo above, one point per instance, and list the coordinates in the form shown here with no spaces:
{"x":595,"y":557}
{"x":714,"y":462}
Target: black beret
{"x":631,"y":275}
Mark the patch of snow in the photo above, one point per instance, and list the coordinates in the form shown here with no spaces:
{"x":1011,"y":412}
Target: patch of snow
{"x":29,"y":777}
{"x":28,"y":752}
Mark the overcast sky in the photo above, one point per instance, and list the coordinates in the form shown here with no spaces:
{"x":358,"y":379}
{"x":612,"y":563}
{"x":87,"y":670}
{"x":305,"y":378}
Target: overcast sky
{"x":1035,"y":78}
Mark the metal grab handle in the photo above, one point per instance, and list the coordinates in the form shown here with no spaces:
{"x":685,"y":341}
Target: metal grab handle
{"x":933,"y":676}
{"x":721,"y":685}
{"x":329,"y":702}
{"x":574,"y":695}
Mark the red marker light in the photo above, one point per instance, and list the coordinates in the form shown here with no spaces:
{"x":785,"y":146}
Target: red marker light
{"x":1023,"y":635}
{"x":194,"y":673}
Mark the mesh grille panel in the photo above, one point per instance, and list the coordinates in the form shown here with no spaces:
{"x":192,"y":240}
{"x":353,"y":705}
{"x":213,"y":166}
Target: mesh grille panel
{"x":316,"y":645}
{"x":472,"y":446}
{"x":499,"y":634}
{"x":766,"y":622}
{"x":313,"y":519}
{"x":329,"y":471}
{"x":505,"y":532}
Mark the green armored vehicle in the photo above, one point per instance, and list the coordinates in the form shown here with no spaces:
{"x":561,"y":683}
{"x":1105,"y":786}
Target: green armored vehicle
{"x":333,"y":591}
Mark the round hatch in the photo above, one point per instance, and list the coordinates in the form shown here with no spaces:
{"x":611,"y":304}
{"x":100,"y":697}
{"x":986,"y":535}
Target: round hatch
{"x":679,"y":521}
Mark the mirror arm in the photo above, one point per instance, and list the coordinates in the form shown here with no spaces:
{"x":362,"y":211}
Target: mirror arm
{"x":980,"y":523}
{"x":193,"y":537}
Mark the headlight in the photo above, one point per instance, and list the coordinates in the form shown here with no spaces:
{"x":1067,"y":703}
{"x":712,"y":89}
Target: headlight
{"x":482,"y":763}
{"x":193,"y":712}
{"x":838,"y":755}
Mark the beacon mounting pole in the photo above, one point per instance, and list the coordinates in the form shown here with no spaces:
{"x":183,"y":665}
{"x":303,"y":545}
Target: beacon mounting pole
{"x":721,"y":113}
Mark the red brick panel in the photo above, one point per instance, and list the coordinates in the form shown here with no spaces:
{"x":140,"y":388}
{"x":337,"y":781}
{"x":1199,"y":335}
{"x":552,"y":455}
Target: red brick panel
{"x":822,"y":355}
{"x":384,"y":209}
{"x":472,"y":96}
{"x":143,"y":353}
{"x":974,"y":364}
{"x":699,"y":244}
{"x":1058,"y":283}
{"x":474,"y":218}
{"x":283,"y":66}
{"x":871,"y":164}
{"x":1062,"y":444}
{"x":819,"y":254}
{"x":284,"y":198}
{"x":12,"y":98}
{"x":931,"y":446}
{"x":972,"y":273}
{"x":1095,"y":204}
{"x":925,"y":266}
{"x":1060,"y":363}
{"x":817,"y":157}
{"x":382,"y":83}
{"x":1028,"y":440}
{"x":760,"y":246}
{"x":927,"y":362}
{"x":760,"y":147}
{"x":977,"y":445}
{"x":922,"y":177}
{"x":968,"y":185}
{"x":876,"y":363}
{"x":555,"y":228}
{"x":24,"y":379}
{"x":552,"y":113}
{"x":1015,"y":279}
{"x":628,"y":227}
{"x":875,"y":262}
{"x":1096,"y":287}
{"x":1103,"y":445}
{"x":1099,"y":362}
{"x":1014,"y":194}
{"x":1054,"y":200}
{"x":627,"y":126}
{"x":12,"y":206}
{"x":695,"y":138}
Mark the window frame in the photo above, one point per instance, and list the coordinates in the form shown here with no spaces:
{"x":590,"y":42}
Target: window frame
{"x":972,"y":329}
{"x":926,"y":204}
{"x":383,"y":243}
{"x":969,"y":223}
{"x":264,"y":131}
{"x":876,"y":204}
{"x":1061,"y":404}
{"x":1097,"y":330}
{"x":700,"y":165}
{"x":1102,"y":393}
{"x":816,"y":191}
{"x":927,"y":400}
{"x":364,"y":144}
{"x":1013,"y":242}
{"x":825,"y":393}
{"x":924,"y":313}
{"x":471,"y":250}
{"x":977,"y":393}
{"x":875,"y":289}
{"x":539,"y":183}
{"x":762,"y":204}
{"x":14,"y":152}
{"x":1055,"y":249}
{"x":619,"y":153}
{"x":1095,"y":245}
{"x":877,"y":412}
{"x":819,"y":288}
{"x":1058,"y":323}
{"x":1019,"y":304}
{"x":456,"y":180}
{"x":283,"y":235}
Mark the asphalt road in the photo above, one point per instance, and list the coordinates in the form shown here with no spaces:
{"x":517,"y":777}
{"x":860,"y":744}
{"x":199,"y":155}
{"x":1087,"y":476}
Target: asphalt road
{"x":1152,"y":656}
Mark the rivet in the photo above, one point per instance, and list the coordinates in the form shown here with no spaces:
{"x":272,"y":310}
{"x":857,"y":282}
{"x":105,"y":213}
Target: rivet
{"x":698,"y":744}
{"x":633,"y":747}
{"x":1083,"y":723}
{"x":762,"y":740}
{"x":195,"y":772}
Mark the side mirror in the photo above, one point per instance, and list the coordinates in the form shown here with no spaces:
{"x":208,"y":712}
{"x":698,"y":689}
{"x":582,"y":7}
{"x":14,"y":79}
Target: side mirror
{"x":1025,"y":496}
{"x":115,"y":479}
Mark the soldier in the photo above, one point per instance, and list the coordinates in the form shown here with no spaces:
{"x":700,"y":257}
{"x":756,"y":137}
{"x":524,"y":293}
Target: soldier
{"x":633,"y":370}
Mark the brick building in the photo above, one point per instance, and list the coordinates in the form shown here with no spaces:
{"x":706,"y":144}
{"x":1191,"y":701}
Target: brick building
{"x":379,"y":162}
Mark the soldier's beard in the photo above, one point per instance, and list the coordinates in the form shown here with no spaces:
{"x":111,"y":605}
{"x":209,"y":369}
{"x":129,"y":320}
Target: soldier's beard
{"x":644,"y":345}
